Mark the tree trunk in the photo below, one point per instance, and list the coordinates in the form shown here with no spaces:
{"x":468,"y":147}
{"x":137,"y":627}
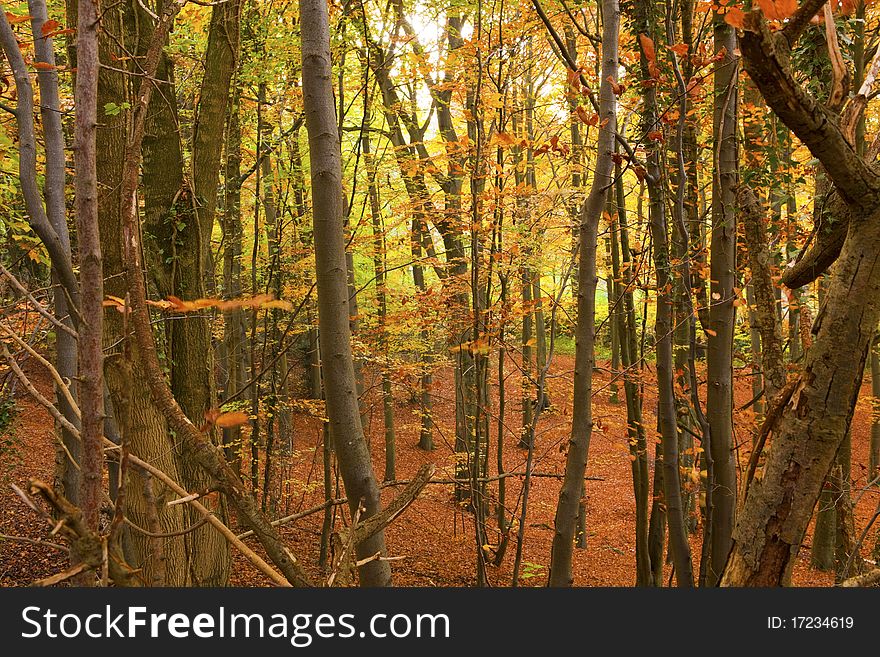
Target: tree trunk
{"x":333,"y":305}
{"x":582,"y":421}
{"x":719,"y":396}
{"x":89,"y":347}
{"x":141,"y":424}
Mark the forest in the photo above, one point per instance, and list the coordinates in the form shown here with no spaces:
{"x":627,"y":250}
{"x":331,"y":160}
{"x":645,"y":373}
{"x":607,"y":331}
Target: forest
{"x":447,"y":293}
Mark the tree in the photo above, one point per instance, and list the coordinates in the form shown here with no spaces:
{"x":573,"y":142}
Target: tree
{"x":809,"y":422}
{"x":591,"y":213}
{"x":722,"y":311}
{"x":331,"y":272}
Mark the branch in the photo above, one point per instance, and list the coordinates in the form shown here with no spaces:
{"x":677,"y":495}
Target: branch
{"x":91,"y":547}
{"x":397,"y":506}
{"x":871,"y":578}
{"x":36,"y":304}
{"x":800,"y":20}
{"x":766,"y":61}
{"x":572,"y":65}
{"x":839,"y":72}
{"x":829,"y":234}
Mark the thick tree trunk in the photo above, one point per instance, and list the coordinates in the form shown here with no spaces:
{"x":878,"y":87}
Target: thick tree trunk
{"x":814,"y":421}
{"x":140,"y":422}
{"x":333,"y":305}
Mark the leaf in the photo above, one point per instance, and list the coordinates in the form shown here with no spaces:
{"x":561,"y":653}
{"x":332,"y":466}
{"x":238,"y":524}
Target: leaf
{"x":648,"y":47}
{"x":735,"y":17}
{"x":231,"y":419}
{"x":66,"y":31}
{"x":680,"y":49}
{"x":278,"y":303}
{"x":189,"y":306}
{"x":162,"y":304}
{"x":44,"y":66}
{"x":582,"y":115}
{"x":656,"y":135}
{"x":14,"y":18}
{"x":114,"y":302}
{"x":711,"y":332}
{"x":786,"y":8}
{"x":768,"y":7}
{"x":504,"y":139}
{"x":49,"y":26}
{"x":616,"y":88}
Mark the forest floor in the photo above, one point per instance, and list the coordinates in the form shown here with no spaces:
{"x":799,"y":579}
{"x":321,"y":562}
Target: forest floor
{"x":435,"y":536}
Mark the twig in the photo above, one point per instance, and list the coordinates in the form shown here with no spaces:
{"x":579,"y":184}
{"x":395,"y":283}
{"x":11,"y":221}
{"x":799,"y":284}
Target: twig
{"x":33,"y":541}
{"x":60,"y":577}
{"x":36,"y":304}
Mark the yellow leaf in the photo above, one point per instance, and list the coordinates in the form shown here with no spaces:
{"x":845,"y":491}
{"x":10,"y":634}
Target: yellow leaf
{"x":278,"y":303}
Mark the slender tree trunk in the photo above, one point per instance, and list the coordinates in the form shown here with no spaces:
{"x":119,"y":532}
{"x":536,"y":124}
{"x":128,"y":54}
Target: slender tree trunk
{"x":89,"y":345}
{"x":333,"y":299}
{"x":381,"y":299}
{"x":233,"y":321}
{"x":53,"y":195}
{"x":874,"y":448}
{"x":625,"y":319}
{"x":719,"y":403}
{"x":426,"y":436}
{"x":578,"y":446}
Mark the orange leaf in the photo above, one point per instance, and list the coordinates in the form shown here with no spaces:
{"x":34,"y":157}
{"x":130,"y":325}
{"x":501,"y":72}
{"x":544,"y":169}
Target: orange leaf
{"x":278,"y":303}
{"x":69,"y":30}
{"x":616,"y":88}
{"x":770,"y":10}
{"x":648,"y":47}
{"x":49,"y":26}
{"x":680,"y":49}
{"x":505,"y":139}
{"x":734,"y":17}
{"x":231,"y":419}
{"x":785,"y":8}
{"x":44,"y":66}
{"x":13,"y":18}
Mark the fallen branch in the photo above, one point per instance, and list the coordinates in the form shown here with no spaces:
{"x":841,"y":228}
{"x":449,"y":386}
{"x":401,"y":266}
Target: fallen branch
{"x":871,"y":578}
